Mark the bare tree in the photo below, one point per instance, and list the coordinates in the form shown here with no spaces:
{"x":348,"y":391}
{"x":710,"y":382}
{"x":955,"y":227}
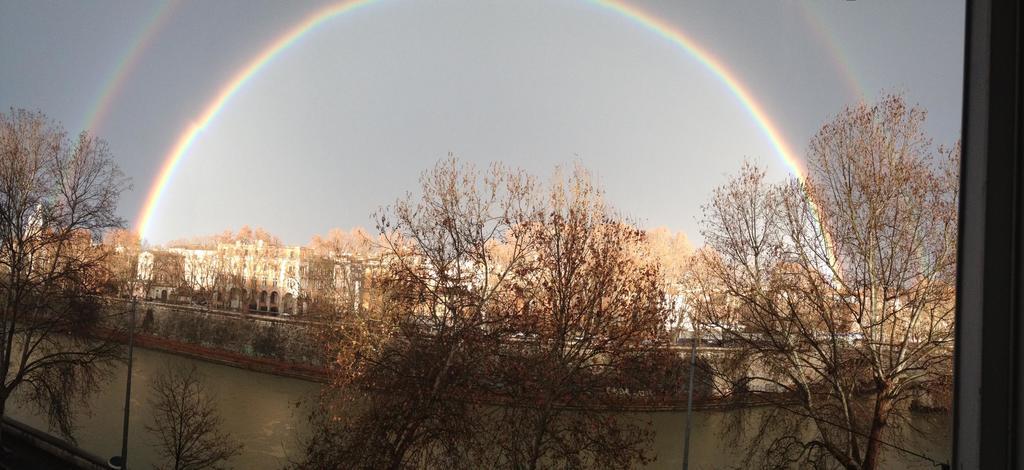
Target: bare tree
{"x":671,"y":250}
{"x":406,"y":364}
{"x":590,"y":303}
{"x":234,"y":277}
{"x":673,"y":254}
{"x":339,"y":268}
{"x":339,"y":242}
{"x":836,"y":293}
{"x":204,"y":275}
{"x":160,"y":269}
{"x":123,"y":262}
{"x":245,"y":235}
{"x":57,"y":197}
{"x":187,"y":424}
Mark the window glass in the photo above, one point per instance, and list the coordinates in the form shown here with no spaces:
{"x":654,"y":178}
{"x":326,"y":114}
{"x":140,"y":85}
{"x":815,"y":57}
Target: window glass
{"x":532,"y":234}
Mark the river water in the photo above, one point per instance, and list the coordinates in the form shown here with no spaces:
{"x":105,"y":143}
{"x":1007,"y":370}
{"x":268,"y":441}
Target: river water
{"x":267,"y":413}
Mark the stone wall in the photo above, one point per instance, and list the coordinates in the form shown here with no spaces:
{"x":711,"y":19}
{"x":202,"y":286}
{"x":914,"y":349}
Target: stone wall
{"x":256,"y":336}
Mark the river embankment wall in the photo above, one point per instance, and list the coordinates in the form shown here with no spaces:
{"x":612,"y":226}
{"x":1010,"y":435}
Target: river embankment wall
{"x":277,"y":345}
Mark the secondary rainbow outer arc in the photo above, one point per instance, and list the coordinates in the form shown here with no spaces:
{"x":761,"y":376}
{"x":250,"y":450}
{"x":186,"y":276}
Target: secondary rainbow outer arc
{"x":101,"y":107}
{"x":839,"y":59}
{"x":637,"y":15}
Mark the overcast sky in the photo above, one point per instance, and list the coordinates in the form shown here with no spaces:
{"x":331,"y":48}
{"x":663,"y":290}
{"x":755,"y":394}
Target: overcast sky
{"x":344,"y":121}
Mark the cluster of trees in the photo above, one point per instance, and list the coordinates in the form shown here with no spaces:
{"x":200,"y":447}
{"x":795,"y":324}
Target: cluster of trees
{"x":357,"y":242}
{"x":509,"y":315}
{"x":494,"y":289}
{"x":246,"y":234}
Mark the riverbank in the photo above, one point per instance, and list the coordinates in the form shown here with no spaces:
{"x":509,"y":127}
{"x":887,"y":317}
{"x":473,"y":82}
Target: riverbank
{"x":286,"y":347}
{"x":321,"y":375}
{"x":269,"y":414}
{"x":274,"y":345}
{"x":227,"y":358}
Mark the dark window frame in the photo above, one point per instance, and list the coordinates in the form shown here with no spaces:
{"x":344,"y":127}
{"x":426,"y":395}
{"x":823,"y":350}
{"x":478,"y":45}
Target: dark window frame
{"x":988,"y":366}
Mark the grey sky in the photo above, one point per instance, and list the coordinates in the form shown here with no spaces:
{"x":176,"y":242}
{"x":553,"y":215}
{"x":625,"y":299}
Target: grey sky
{"x":345,"y":120}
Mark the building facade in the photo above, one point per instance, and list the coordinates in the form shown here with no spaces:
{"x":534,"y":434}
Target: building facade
{"x":253,"y":277}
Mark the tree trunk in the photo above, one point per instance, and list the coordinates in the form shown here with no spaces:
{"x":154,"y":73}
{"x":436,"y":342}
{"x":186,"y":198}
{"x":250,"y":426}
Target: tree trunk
{"x":539,"y":432}
{"x":406,"y":437}
{"x":883,"y":405}
{"x":404,"y":441}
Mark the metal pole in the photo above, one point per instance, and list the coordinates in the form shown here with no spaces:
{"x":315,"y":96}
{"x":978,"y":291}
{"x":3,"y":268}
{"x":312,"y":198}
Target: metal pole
{"x":128,"y":385}
{"x":689,"y":398}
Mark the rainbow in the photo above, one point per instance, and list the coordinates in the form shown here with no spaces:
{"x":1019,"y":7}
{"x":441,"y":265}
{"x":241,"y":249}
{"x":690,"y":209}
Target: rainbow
{"x":97,"y":114}
{"x":211,"y":111}
{"x":839,"y":60}
{"x":290,"y":37}
{"x":709,"y":61}
{"x":732,"y":82}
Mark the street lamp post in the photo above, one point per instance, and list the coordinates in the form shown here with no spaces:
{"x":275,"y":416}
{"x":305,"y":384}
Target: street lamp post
{"x":689,"y":395}
{"x":121,"y":461}
{"x":128,"y":385}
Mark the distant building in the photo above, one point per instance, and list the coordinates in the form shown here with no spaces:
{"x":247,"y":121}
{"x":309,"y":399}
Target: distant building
{"x":254,"y":276}
{"x":160,"y":273}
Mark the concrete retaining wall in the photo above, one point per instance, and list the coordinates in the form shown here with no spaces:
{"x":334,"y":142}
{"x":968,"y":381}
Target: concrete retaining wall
{"x":224,"y":336}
